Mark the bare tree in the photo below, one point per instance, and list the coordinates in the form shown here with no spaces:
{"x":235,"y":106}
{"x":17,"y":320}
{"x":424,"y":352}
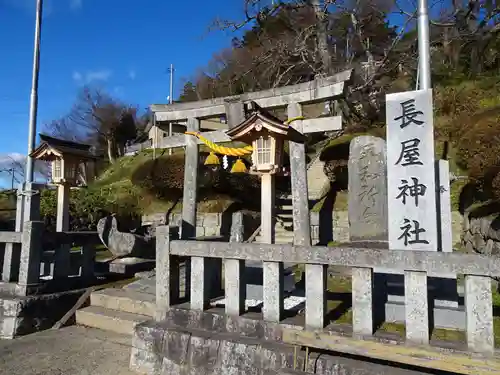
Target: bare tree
{"x":100,"y":120}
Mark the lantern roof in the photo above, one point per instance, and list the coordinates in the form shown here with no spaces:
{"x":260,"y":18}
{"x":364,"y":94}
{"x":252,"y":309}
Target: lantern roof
{"x":260,"y":119}
{"x":51,"y":147}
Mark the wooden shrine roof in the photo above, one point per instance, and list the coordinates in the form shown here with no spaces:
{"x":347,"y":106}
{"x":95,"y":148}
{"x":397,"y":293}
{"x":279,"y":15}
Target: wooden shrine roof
{"x":50,"y":147}
{"x":258,"y":119}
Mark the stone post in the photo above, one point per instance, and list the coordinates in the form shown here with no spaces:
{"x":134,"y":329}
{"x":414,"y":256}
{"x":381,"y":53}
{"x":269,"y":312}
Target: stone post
{"x":315,"y":274}
{"x":300,"y":194}
{"x":31,"y":210}
{"x":267,"y":208}
{"x":62,"y":256}
{"x":13,"y":250}
{"x":234,"y":272}
{"x":188,"y":227}
{"x":189,"y":198}
{"x":479,"y":314}
{"x":88,"y":261}
{"x":31,"y":252}
{"x":27,"y":209}
{"x":273,"y":272}
{"x":167,"y":274}
{"x":445,"y":238}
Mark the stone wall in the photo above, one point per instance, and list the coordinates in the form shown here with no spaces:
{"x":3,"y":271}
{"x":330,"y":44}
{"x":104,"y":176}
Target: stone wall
{"x":24,"y":315}
{"x":339,"y":230}
{"x":481,"y":234}
{"x":196,"y":342}
{"x":340,"y":226}
{"x":207,"y":224}
{"x":214,"y":224}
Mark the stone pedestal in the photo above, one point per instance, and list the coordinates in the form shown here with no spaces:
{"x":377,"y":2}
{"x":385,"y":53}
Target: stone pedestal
{"x":22,"y":315}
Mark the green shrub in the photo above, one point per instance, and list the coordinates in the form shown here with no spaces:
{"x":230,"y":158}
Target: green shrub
{"x":164,"y":179}
{"x":88,"y":205}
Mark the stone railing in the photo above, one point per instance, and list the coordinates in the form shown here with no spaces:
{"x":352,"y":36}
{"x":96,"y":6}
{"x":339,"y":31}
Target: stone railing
{"x":479,"y":351}
{"x":26,"y":258}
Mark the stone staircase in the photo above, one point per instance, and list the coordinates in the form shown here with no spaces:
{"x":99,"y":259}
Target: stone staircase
{"x":283,"y":229}
{"x":317,"y":182}
{"x":117,"y":310}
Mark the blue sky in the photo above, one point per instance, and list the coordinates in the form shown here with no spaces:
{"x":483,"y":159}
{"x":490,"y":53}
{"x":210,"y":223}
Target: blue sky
{"x":124,"y":45}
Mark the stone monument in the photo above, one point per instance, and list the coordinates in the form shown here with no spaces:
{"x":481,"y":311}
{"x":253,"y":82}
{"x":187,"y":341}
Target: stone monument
{"x":413,"y":196}
{"x":367,"y":189}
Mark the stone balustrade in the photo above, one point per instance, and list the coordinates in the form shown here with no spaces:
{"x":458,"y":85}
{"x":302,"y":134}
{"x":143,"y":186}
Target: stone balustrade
{"x":417,"y":265}
{"x":26,"y":259}
{"x":43,"y":276}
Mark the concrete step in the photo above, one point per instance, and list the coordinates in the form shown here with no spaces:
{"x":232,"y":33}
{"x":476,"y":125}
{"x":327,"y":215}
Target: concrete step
{"x":109,"y":320}
{"x":124,"y":300}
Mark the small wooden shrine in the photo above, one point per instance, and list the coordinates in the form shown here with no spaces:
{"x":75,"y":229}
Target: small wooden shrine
{"x":72,"y":163}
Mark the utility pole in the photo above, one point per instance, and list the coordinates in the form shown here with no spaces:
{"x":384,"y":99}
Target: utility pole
{"x":34,"y":94}
{"x":424,"y":52}
{"x":171,"y":100}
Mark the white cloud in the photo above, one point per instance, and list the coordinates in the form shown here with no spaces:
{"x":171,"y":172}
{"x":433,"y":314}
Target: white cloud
{"x":9,"y":160}
{"x":98,"y":75}
{"x":132,"y":74}
{"x":90,"y":76}
{"x":17,"y":162}
{"x":75,"y":4}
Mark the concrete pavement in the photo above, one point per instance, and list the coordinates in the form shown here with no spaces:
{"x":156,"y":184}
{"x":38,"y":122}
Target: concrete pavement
{"x":71,"y":350}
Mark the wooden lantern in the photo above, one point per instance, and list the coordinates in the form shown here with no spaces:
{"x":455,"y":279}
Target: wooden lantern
{"x":64,"y":170}
{"x":267,"y":135}
{"x":69,"y":160}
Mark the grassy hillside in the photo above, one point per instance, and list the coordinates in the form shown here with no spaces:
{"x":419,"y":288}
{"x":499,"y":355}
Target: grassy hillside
{"x":116,"y":183}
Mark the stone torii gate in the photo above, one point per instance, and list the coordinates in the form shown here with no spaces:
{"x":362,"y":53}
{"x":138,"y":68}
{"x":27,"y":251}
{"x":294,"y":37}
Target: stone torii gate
{"x":292,"y":97}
